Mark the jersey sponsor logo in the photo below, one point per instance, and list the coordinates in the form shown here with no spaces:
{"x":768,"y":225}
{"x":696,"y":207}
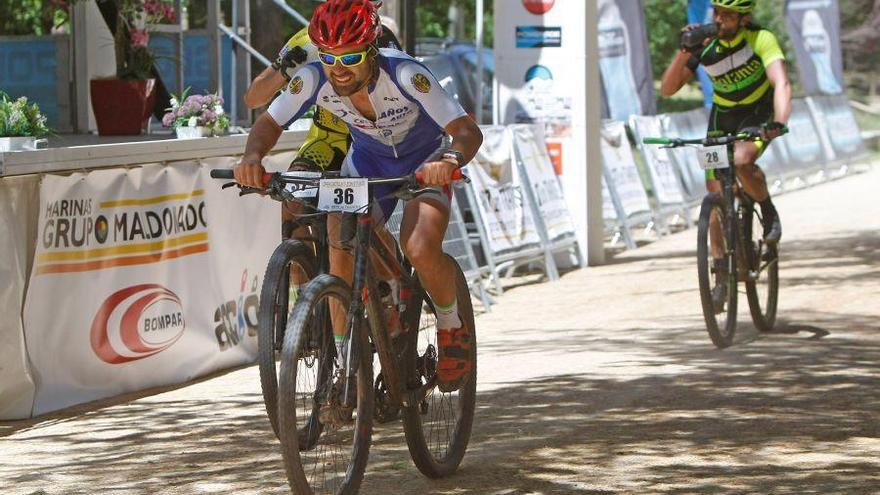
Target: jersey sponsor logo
{"x":393,"y":112}
{"x":740,"y":77}
{"x":538,"y":7}
{"x":136,"y":322}
{"x":296,"y":85}
{"x":421,"y":82}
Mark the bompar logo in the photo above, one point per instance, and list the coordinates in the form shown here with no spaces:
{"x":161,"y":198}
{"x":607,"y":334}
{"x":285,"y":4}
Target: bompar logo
{"x":137,"y":322}
{"x":538,"y":7}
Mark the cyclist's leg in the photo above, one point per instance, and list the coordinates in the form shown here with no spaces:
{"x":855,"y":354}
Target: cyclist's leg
{"x":421,"y":236}
{"x":750,"y":174}
{"x":425,"y":220}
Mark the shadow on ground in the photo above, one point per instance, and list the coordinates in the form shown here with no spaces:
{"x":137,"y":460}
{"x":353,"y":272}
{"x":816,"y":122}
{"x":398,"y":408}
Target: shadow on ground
{"x":784,"y":413}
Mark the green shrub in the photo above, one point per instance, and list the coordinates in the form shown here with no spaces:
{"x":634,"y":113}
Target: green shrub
{"x":18,"y":118}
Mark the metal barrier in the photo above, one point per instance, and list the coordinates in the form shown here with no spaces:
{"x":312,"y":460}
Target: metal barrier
{"x":455,"y":243}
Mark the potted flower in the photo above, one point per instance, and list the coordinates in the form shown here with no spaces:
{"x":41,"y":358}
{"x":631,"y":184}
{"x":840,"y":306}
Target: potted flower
{"x":196,"y":115}
{"x":21,"y":123}
{"x":123,"y":103}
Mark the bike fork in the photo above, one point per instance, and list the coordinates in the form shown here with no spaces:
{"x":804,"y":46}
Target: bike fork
{"x":730,"y":207}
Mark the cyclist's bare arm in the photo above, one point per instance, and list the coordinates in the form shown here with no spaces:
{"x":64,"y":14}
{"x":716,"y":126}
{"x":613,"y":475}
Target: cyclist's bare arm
{"x":781,"y":91}
{"x":263,"y":136}
{"x":466,"y":139}
{"x":264,"y":87}
{"x":676,"y":75}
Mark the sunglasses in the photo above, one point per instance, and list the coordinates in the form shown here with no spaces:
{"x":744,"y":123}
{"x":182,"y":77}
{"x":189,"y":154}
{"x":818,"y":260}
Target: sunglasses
{"x":346,"y":59}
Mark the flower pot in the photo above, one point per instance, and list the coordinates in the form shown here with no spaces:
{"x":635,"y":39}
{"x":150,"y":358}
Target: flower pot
{"x":19,"y":143}
{"x":122,"y":106}
{"x":186,"y":132}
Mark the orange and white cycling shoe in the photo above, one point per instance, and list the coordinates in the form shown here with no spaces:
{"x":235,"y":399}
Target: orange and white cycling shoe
{"x":455,"y":359}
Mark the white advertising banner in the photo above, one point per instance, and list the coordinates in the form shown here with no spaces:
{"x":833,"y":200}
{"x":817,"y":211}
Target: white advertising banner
{"x":608,"y":210}
{"x":143,"y":277}
{"x":529,"y":143}
{"x":667,"y":188}
{"x":500,"y":199}
{"x":618,"y":160}
{"x":541,"y":71}
{"x":18,"y":206}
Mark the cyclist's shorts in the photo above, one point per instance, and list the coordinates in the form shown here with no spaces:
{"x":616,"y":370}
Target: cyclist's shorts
{"x":326,"y":144}
{"x":734,"y":119}
{"x":362,"y":164}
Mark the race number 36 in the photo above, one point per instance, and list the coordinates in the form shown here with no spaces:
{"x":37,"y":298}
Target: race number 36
{"x":348,"y":195}
{"x":343,"y":196}
{"x":712,"y":157}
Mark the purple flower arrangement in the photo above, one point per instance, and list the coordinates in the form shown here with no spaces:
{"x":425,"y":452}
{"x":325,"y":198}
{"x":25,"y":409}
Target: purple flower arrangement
{"x":197,"y":111}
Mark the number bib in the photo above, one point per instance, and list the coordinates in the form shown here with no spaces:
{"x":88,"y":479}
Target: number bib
{"x":301,"y":190}
{"x":346,"y":195}
{"x":712,"y":157}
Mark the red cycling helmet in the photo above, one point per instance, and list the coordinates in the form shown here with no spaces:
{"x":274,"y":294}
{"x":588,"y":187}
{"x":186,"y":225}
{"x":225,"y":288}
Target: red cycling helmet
{"x":339,"y":23}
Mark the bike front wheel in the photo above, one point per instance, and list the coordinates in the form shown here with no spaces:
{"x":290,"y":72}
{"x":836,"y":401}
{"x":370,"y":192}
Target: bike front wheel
{"x":718,"y":288}
{"x":324,"y":444}
{"x":438,"y":428}
{"x":762,"y":284}
{"x":291,"y":265}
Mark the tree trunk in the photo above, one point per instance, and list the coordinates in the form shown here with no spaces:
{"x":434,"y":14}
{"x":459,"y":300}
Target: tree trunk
{"x":267,"y":33}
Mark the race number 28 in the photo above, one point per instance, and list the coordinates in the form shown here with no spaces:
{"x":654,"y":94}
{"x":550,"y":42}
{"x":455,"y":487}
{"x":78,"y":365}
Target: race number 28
{"x":712,"y":157}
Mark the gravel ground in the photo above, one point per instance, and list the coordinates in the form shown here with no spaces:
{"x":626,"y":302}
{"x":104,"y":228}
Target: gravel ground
{"x":603,"y":382}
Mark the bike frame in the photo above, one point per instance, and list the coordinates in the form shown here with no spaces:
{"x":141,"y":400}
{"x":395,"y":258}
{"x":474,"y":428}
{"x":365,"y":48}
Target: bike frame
{"x":364,"y":283}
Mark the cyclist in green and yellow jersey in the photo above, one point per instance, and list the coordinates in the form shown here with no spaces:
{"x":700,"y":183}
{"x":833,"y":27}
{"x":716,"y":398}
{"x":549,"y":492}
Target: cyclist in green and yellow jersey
{"x":751,"y":90}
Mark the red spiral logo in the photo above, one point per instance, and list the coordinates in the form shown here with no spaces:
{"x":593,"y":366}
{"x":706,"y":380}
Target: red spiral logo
{"x":137,"y":322}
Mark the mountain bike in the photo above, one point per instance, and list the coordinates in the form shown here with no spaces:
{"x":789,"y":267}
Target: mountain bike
{"x":298,"y":260}
{"x":327,"y":402}
{"x":737,"y":226}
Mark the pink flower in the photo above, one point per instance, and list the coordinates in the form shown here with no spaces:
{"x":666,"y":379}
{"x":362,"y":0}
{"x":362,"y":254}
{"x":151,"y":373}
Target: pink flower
{"x":140,"y":38}
{"x":168,"y":119}
{"x":168,"y":12}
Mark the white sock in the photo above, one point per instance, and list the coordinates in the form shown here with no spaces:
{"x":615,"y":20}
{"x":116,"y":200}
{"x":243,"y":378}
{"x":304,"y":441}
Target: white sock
{"x":447,"y":317}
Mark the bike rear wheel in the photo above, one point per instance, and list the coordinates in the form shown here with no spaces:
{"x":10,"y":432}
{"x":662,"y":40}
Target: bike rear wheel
{"x":323,"y":456}
{"x":291,"y":260}
{"x":439,"y":427}
{"x":720,"y":321}
{"x":762,"y":286}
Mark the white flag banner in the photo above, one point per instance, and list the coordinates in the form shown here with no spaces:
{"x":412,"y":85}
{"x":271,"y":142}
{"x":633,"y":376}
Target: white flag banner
{"x":618,"y":160}
{"x":141,"y":278}
{"x":529,"y":142}
{"x":667,"y":187}
{"x":498,"y":190}
{"x":18,"y":204}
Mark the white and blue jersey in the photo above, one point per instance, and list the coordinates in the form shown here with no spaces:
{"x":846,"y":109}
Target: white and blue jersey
{"x":411,"y":108}
{"x":412,"y":111}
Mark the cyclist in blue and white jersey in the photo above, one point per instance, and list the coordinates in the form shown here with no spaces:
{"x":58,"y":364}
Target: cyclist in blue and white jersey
{"x":400,"y":120}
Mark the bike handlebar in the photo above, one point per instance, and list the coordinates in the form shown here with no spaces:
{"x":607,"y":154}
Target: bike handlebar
{"x":707,"y":141}
{"x":227,"y":173}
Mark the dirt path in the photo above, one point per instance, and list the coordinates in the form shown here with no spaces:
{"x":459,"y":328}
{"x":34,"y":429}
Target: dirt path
{"x":604,"y":382}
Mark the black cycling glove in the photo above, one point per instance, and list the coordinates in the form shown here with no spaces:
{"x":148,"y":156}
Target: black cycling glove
{"x":291,"y":60}
{"x":774,"y":126}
